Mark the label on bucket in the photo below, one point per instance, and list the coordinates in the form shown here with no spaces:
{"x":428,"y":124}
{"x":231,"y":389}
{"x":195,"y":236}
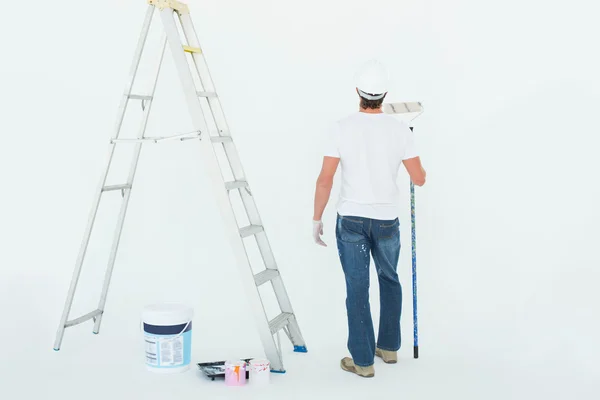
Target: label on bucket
{"x":167,"y":350}
{"x":151,"y":352}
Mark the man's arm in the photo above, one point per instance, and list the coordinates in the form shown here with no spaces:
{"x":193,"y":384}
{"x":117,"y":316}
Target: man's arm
{"x":324,"y":184}
{"x":415,"y":170}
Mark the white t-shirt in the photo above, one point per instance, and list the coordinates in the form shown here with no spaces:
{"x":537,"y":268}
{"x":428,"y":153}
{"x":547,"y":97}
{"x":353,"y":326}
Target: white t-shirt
{"x":371,"y":148}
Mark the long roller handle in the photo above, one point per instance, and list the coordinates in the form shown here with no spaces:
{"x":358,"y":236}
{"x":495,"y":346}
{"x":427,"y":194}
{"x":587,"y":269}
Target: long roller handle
{"x":414,"y":270}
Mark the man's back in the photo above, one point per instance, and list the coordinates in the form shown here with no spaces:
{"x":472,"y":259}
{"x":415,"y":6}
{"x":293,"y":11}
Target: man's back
{"x":371,"y":148}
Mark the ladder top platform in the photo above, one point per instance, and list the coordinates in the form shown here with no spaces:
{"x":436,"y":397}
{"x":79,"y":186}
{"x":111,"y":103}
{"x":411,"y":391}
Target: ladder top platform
{"x":174,"y":4}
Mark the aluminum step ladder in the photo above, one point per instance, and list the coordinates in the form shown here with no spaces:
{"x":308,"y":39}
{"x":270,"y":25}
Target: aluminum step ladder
{"x":169,"y":10}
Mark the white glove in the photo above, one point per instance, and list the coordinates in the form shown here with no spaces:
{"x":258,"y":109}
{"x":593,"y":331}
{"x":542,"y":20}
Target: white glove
{"x":317,"y":232}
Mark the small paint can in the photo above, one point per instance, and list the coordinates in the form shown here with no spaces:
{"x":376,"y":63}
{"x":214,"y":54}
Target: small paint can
{"x":260,"y":372}
{"x":235,"y":373}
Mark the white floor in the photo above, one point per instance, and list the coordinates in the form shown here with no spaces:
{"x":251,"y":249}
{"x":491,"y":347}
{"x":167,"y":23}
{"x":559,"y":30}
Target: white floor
{"x":110,"y":365}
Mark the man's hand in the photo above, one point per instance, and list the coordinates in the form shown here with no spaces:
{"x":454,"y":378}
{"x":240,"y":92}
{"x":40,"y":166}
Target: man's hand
{"x":317,"y":232}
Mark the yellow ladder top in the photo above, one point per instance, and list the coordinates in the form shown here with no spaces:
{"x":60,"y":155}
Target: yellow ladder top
{"x":178,"y":6}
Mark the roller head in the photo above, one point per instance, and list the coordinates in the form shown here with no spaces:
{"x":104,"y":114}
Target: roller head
{"x":403,"y":108}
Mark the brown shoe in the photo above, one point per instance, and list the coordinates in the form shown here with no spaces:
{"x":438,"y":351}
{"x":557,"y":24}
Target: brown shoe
{"x":348,"y":365}
{"x":388,"y":357}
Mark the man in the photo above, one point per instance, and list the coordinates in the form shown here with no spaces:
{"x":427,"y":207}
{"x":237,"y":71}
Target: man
{"x":370,"y":146}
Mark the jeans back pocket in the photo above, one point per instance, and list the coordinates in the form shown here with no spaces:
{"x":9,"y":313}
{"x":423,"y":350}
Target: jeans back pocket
{"x":350,"y":230}
{"x":389,"y":230}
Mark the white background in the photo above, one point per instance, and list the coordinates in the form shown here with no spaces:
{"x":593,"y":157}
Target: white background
{"x":507,"y":223}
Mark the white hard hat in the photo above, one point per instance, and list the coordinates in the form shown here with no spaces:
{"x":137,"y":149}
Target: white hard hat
{"x":372,"y":80}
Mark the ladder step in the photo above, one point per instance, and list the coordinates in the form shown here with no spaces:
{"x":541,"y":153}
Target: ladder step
{"x":265,"y":276}
{"x":250,"y":230}
{"x":280,"y":321}
{"x":83,"y":318}
{"x":221,"y":139}
{"x":235,"y":185}
{"x":139,"y":97}
{"x":116,"y":187}
{"x":190,"y":49}
{"x":206,"y":94}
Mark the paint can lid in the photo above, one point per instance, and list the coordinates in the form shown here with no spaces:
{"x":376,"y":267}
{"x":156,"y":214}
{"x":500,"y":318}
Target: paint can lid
{"x":167,"y":314}
{"x":235,"y":363}
{"x":259,"y":361}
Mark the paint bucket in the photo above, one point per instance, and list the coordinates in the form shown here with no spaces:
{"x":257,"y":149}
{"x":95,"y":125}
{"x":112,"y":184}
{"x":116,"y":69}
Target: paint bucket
{"x":260,"y":372}
{"x":168,"y":337}
{"x":235,"y":373}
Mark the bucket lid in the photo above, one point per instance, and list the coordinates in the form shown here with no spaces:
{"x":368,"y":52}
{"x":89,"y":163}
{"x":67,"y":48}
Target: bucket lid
{"x":259,"y":361}
{"x":167,"y":314}
{"x":235,"y":363}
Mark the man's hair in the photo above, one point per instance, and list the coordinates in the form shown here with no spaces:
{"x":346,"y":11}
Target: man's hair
{"x":373,"y":104}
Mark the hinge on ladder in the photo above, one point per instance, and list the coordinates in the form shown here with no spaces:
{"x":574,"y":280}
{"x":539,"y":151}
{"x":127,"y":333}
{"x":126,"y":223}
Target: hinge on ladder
{"x":174,"y":4}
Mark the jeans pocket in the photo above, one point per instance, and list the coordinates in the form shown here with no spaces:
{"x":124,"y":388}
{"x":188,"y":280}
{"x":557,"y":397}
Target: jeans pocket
{"x":389,"y":230}
{"x":351,"y":231}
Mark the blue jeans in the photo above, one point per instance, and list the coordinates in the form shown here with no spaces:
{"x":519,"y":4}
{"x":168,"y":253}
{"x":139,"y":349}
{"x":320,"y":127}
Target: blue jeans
{"x":357,"y":239}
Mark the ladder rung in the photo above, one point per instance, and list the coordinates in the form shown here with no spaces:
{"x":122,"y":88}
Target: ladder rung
{"x":250,"y":230}
{"x":221,"y":139}
{"x":139,"y":97}
{"x":280,"y":321}
{"x":83,"y":318}
{"x":116,"y":187}
{"x":235,"y":185}
{"x":265,"y":276}
{"x":206,"y":94}
{"x":190,"y":49}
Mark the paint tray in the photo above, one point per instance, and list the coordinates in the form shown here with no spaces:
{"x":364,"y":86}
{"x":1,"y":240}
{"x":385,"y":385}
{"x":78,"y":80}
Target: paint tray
{"x":216,"y":369}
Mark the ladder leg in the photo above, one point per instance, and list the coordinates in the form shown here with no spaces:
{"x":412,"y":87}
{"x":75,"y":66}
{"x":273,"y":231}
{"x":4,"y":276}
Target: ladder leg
{"x":78,"y":265}
{"x":292,"y":329}
{"x":222,"y":196}
{"x":239,"y":174}
{"x":88,"y":231}
{"x":125,"y":201}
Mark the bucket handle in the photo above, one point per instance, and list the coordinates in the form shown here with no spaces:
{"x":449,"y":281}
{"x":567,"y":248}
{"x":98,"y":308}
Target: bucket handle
{"x":169,"y":338}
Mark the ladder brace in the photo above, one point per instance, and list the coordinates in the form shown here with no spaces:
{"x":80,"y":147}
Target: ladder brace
{"x":180,"y":136}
